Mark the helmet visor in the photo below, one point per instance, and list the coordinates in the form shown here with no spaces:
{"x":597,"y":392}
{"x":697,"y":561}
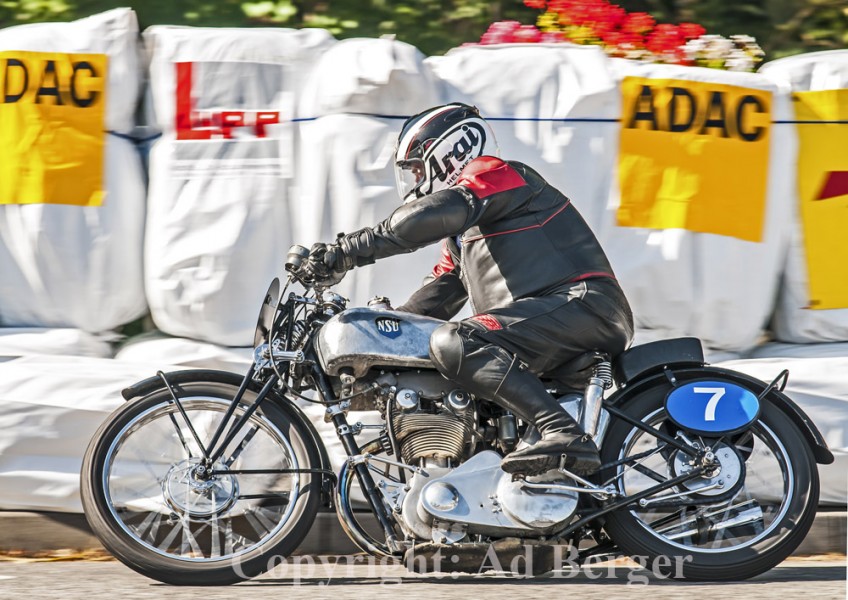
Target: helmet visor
{"x":409,"y":176}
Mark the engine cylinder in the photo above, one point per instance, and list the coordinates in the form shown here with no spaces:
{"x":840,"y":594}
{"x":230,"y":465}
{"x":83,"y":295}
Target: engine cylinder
{"x":432,"y":435}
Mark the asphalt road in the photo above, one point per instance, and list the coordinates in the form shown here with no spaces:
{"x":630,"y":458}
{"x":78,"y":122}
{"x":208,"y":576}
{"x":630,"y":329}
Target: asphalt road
{"x":31,"y":580}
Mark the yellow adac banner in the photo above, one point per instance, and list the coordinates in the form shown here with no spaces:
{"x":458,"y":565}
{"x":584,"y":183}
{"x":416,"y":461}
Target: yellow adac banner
{"x":694,"y":155}
{"x":52,"y":110}
{"x":822,"y":122}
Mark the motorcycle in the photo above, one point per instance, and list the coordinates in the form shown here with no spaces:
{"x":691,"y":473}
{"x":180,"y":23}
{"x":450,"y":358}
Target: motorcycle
{"x":203,"y":476}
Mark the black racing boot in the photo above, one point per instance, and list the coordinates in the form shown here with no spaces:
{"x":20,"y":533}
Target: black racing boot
{"x":563,"y":442}
{"x":490,"y":371}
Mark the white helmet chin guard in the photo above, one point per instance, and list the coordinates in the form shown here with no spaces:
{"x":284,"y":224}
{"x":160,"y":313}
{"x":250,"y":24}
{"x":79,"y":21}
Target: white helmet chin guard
{"x":435,"y":145}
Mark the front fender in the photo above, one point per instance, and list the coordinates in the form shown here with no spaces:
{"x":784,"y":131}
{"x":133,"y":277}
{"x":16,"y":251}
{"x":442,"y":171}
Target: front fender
{"x":811,"y":433}
{"x":152,"y":384}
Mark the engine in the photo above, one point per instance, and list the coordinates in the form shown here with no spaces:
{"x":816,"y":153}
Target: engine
{"x":441,"y":433}
{"x":429,"y":419}
{"x":458,"y":494}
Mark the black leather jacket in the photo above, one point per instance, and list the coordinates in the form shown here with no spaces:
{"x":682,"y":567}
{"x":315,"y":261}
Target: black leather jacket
{"x":507,"y":235}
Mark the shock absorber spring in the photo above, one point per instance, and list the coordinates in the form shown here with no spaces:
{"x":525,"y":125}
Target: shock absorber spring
{"x":603,"y":371}
{"x":593,"y":397}
{"x":298,"y":333}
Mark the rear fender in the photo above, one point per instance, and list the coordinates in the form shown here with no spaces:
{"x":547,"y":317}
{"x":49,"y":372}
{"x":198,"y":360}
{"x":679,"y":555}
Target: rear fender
{"x":780,"y":400}
{"x":152,"y":384}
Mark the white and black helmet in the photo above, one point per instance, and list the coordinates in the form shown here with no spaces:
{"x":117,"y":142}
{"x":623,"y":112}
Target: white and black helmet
{"x":435,"y":145}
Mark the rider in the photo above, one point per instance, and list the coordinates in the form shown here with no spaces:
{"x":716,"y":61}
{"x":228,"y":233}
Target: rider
{"x":541,"y":287}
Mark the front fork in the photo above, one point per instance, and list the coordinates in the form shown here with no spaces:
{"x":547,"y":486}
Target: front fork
{"x":366,"y":482}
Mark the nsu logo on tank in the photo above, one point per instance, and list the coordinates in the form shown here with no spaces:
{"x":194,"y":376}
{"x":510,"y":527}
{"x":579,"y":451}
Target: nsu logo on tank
{"x":445,"y":158}
{"x":388,"y":327}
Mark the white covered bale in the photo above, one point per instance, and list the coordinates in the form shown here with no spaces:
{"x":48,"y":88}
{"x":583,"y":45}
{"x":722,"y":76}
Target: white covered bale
{"x":718,"y":288}
{"x":46,"y":424}
{"x":812,"y":70}
{"x":554,"y":107}
{"x":220,"y":208}
{"x":361,"y":90}
{"x":154,"y":347}
{"x":793,"y":320}
{"x":77,"y":266}
{"x":24,"y":341}
{"x":71,"y":193}
{"x":370,"y":77}
{"x":783,"y":350}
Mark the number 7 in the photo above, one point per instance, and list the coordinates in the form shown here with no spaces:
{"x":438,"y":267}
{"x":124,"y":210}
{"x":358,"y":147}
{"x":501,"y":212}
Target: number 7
{"x":709,"y":413}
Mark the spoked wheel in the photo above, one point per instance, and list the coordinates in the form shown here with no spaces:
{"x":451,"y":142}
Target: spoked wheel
{"x":158,"y":509}
{"x":744,"y":518}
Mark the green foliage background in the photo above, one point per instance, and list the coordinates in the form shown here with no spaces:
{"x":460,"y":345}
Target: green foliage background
{"x":782,"y":27}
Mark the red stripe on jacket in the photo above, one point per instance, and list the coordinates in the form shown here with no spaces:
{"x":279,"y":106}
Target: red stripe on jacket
{"x":445,"y":264}
{"x":488,"y":175}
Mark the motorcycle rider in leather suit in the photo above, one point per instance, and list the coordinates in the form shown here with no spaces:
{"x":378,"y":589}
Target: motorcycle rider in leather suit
{"x":541,"y":287}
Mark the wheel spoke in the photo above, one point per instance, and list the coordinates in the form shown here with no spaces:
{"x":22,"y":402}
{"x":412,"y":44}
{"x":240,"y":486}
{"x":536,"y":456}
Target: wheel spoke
{"x":240,"y":448}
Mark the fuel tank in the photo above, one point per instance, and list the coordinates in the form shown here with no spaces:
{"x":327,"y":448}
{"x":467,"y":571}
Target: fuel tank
{"x":362,"y":338}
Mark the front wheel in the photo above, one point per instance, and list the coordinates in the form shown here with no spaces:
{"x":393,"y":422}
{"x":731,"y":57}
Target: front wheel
{"x":155,"y":510}
{"x":750,"y":515}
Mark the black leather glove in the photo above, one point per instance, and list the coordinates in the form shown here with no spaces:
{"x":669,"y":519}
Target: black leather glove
{"x":325,"y":265}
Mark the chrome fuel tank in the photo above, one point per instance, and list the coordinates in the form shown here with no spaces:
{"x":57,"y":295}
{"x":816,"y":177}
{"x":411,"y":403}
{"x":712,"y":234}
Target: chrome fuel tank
{"x":361,"y":338}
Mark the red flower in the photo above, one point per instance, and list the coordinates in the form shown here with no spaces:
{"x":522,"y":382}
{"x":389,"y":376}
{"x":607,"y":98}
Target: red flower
{"x":537,"y":4}
{"x":500,"y":32}
{"x":527,"y":34}
{"x":638,"y":23}
{"x":664,"y":37}
{"x":691,"y":30}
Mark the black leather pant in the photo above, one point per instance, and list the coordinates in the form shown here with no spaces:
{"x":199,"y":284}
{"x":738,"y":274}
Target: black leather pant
{"x":500,"y":356}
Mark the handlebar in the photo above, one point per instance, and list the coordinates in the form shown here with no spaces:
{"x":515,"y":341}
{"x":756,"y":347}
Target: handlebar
{"x":296,"y":258}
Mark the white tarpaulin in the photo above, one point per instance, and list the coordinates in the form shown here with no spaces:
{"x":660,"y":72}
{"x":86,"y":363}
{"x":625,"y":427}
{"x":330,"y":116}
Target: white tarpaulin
{"x":23,"y":341}
{"x":781,"y":350}
{"x":553,"y":107}
{"x":156,"y":347}
{"x":220,"y":198}
{"x":817,"y":385}
{"x":77,"y":266}
{"x":151,"y":349}
{"x":811,"y":71}
{"x":212,"y":246}
{"x":793,"y":321}
{"x":345,"y":158}
{"x":198,"y":73}
{"x":46,"y":423}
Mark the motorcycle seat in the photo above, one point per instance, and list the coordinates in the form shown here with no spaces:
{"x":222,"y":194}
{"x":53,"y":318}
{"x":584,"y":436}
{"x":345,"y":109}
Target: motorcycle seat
{"x":655,"y":355}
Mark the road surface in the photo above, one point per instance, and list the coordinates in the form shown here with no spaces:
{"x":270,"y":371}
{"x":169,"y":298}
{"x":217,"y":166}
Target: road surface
{"x":95,"y":580}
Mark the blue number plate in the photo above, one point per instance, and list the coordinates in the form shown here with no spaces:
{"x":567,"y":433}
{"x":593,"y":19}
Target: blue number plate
{"x":712,"y":407}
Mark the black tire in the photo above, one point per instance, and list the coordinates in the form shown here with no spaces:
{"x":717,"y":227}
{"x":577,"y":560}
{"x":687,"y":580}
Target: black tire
{"x":167,"y":568}
{"x":778,"y":541}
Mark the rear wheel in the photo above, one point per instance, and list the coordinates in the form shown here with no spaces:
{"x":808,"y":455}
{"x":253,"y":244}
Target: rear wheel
{"x":749,"y":515}
{"x":148,"y":499}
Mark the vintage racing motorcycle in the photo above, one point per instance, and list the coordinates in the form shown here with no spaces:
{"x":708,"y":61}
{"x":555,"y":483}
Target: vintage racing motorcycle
{"x":205,"y":477}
